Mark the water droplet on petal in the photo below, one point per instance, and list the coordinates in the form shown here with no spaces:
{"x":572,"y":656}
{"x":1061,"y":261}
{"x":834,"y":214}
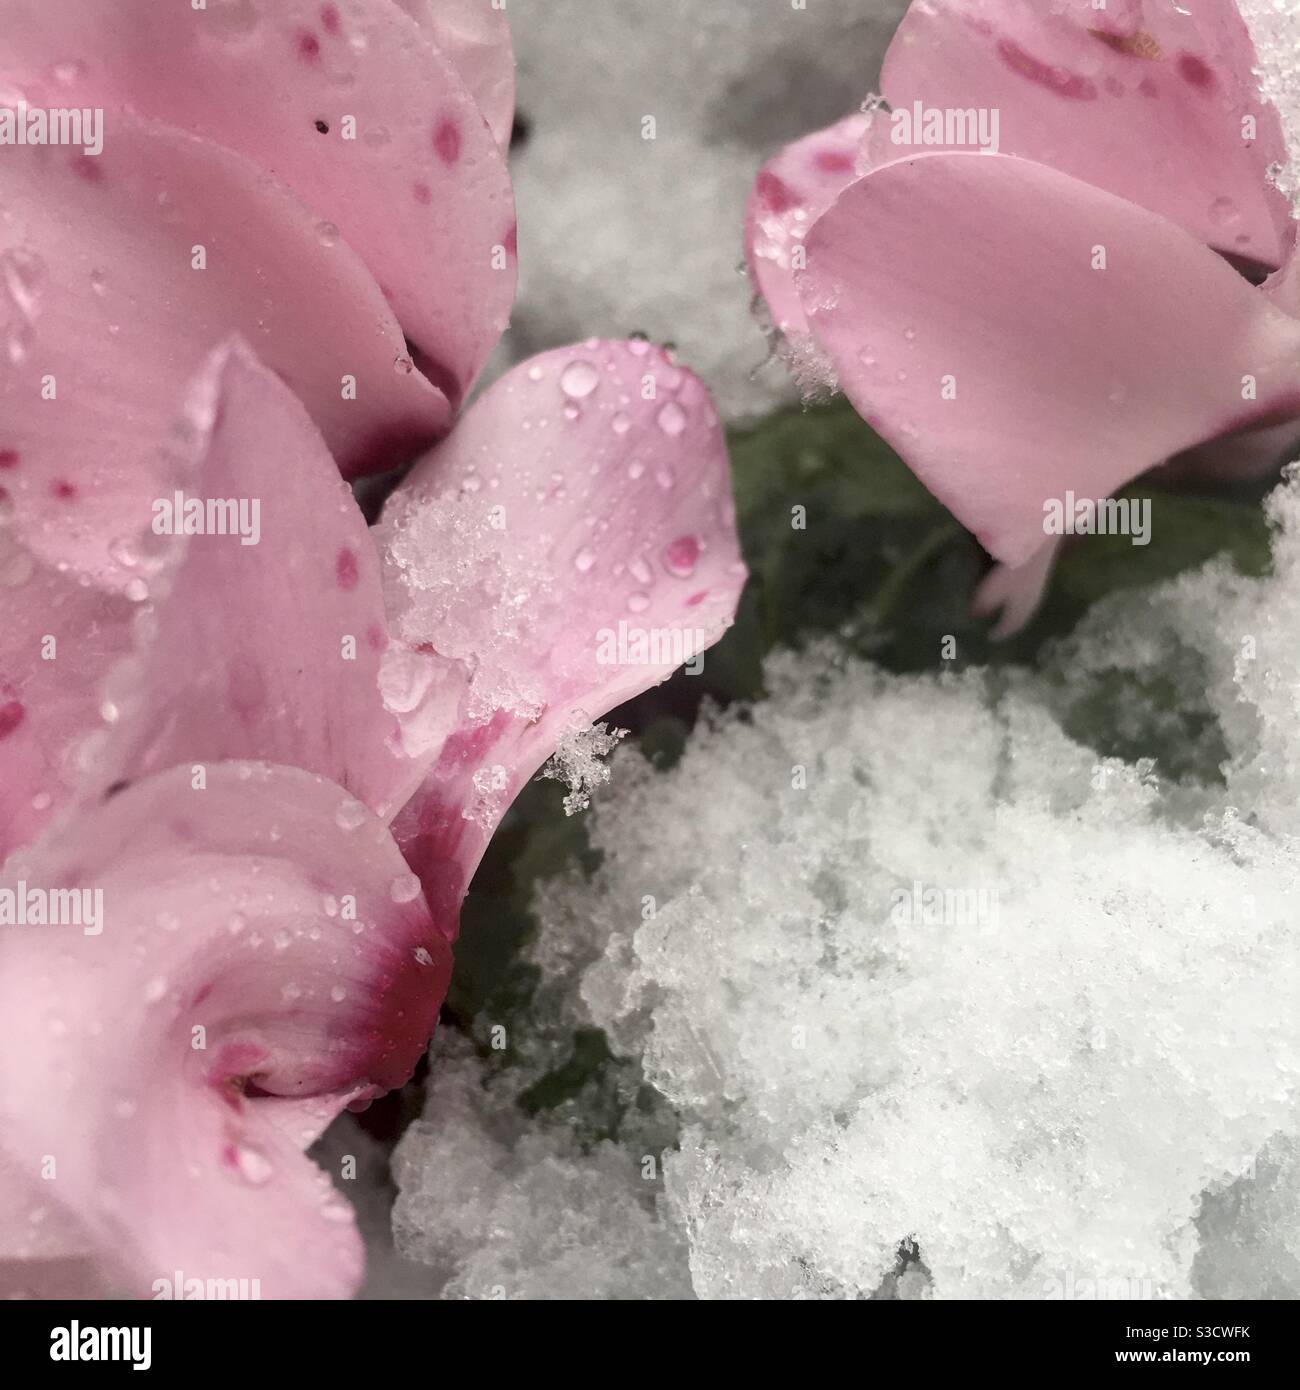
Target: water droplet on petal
{"x":681,"y":556}
{"x":350,"y":814}
{"x":327,"y":234}
{"x":583,"y":561}
{"x":638,"y":602}
{"x":621,"y":423}
{"x":405,"y":888}
{"x":254,"y":1166}
{"x":671,"y":418}
{"x":579,"y":379}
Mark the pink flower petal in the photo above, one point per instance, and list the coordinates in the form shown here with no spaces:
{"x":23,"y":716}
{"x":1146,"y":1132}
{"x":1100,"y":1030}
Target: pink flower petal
{"x":1145,"y":99}
{"x":1013,"y":592}
{"x":792,"y":191}
{"x":570,"y":545}
{"x":251,"y":945}
{"x":57,"y":640}
{"x":475,"y":36}
{"x":921,"y":286}
{"x":108,"y":319}
{"x":271,"y":649}
{"x":263,"y":79}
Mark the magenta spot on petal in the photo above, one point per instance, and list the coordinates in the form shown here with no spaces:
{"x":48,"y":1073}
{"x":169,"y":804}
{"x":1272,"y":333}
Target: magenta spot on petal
{"x":775,"y":195}
{"x":8,"y":458}
{"x":422,"y":193}
{"x":1065,"y":84}
{"x":230,"y":1157}
{"x":834,"y":161}
{"x":511,"y":242}
{"x":64,"y":489}
{"x":697,"y":598}
{"x":1114,"y":86}
{"x":375,"y":638}
{"x":1196,"y":71}
{"x":682,"y":554}
{"x":446,"y":141}
{"x":87,"y":167}
{"x":308,"y":45}
{"x":1148,"y":88}
{"x":329,"y":18}
{"x":345,"y":569}
{"x":11,"y":715}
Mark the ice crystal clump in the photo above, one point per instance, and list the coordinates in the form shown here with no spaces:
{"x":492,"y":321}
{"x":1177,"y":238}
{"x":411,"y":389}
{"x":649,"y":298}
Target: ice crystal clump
{"x":579,"y":762}
{"x":1275,"y":28}
{"x":631,"y":233}
{"x":946,"y":1001}
{"x":504,"y":1208}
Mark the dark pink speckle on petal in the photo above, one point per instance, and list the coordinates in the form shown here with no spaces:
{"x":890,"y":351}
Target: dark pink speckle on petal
{"x":422,"y":193}
{"x":11,"y":715}
{"x":345,"y":569}
{"x":64,"y":490}
{"x":87,"y":166}
{"x":1059,"y":80}
{"x":446,"y":141}
{"x":774,"y":194}
{"x":329,"y":18}
{"x":834,"y":161}
{"x":375,"y":637}
{"x":308,"y":45}
{"x":8,"y":458}
{"x":511,"y":242}
{"x":1196,"y":71}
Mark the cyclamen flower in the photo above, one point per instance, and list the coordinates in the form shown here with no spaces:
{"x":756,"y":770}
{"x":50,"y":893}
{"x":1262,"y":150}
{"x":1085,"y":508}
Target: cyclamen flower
{"x":1062,"y":314}
{"x":281,"y":782}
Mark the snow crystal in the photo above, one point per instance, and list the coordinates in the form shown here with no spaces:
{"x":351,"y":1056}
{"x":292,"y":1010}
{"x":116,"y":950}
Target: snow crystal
{"x":947,"y":1001}
{"x":1275,"y":27}
{"x":621,"y":233}
{"x":578,"y":761}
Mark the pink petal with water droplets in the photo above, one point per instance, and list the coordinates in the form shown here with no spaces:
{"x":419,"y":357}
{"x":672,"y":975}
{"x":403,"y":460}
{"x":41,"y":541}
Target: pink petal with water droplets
{"x":250,"y":945}
{"x":1142,"y":98}
{"x":57,"y":640}
{"x":570,"y":545}
{"x":791,"y":192}
{"x":475,"y":36}
{"x":266,"y":643}
{"x":262,"y":79}
{"x":1063,"y":377}
{"x":112,"y":318}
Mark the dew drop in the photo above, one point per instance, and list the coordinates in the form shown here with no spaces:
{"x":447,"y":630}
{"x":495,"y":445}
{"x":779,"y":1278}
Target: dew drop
{"x":583,"y":560}
{"x":350,"y":814}
{"x":405,"y":888}
{"x":681,"y":556}
{"x":579,"y":379}
{"x":327,"y":233}
{"x":671,"y":418}
{"x":638,"y":602}
{"x":253,"y":1165}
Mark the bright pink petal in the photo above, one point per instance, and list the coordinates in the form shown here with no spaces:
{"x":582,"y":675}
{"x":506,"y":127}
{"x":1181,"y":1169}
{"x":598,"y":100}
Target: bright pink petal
{"x":791,"y":192}
{"x":569,"y":546}
{"x":405,"y":168}
{"x":1147,"y":99}
{"x":108,"y":319}
{"x":269,"y":643}
{"x":255,"y":942}
{"x":475,"y":35}
{"x":922,"y":286}
{"x":1013,"y":592}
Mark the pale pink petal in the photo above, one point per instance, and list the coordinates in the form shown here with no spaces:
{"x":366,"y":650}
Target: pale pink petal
{"x":254,"y":943}
{"x":405,"y":167}
{"x":57,"y":640}
{"x":791,"y":192}
{"x":475,"y":35}
{"x":1003,"y":366}
{"x":108,"y":318}
{"x":1013,"y":592}
{"x":1148,"y":99}
{"x":266,"y":644}
{"x":569,"y":546}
